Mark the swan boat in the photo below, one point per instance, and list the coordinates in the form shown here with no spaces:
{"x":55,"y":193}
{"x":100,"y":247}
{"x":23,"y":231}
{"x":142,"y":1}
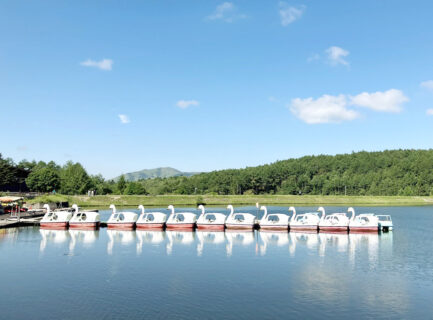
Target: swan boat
{"x":273,"y":221}
{"x":151,"y":220}
{"x":84,"y":219}
{"x":121,"y":220}
{"x":364,"y":222}
{"x":55,"y":219}
{"x":304,"y":222}
{"x":240,"y":221}
{"x":181,"y":220}
{"x":335,"y":222}
{"x":210,"y":221}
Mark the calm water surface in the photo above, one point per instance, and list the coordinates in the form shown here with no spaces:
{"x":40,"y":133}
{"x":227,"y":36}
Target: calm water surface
{"x":110,"y":274}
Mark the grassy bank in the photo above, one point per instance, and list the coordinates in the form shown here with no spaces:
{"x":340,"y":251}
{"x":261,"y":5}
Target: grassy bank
{"x":193,"y":200}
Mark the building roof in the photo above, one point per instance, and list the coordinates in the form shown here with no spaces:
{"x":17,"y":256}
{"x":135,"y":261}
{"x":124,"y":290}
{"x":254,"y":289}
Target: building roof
{"x":10,"y":199}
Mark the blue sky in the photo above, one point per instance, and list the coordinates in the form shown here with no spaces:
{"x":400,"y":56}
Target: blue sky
{"x":202,"y":85}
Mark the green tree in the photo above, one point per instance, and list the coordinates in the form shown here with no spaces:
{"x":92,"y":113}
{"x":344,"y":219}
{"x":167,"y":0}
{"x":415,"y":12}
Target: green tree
{"x":74,"y":179}
{"x":7,"y":172}
{"x":121,"y":184}
{"x":134,"y":188}
{"x":43,"y":180}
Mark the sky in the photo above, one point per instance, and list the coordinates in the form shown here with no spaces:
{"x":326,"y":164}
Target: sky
{"x":121,"y":86}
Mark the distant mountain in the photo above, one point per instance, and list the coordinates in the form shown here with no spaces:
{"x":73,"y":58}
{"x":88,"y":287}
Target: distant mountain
{"x":165,"y":172}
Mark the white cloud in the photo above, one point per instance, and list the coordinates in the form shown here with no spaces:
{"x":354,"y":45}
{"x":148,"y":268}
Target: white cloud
{"x":104,"y":64}
{"x":334,"y":109}
{"x":272,"y":99}
{"x":289,"y":14}
{"x":429,"y":112}
{"x":427,"y":84}
{"x":124,"y":119}
{"x":326,"y":109}
{"x":183,"y":104}
{"x":226,"y":12}
{"x":336,"y":56}
{"x":387,"y":101}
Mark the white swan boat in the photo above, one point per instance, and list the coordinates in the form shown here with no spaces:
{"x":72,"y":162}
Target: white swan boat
{"x":240,"y":221}
{"x":181,"y":220}
{"x":306,"y":222}
{"x":364,"y":222}
{"x":336,"y":222}
{"x":84,"y":219}
{"x":121,"y":220}
{"x":211,"y":220}
{"x":273,"y":221}
{"x":55,"y":219}
{"x":151,"y":220}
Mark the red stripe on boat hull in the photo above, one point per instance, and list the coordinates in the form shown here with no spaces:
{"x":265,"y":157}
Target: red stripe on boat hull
{"x":239,"y":227}
{"x":274,"y":228}
{"x":180,"y":226}
{"x":84,"y":225}
{"x":54,"y":225}
{"x":333,"y":229}
{"x":150,"y":226}
{"x":121,"y":226}
{"x":304,"y":228}
{"x":216,"y":227}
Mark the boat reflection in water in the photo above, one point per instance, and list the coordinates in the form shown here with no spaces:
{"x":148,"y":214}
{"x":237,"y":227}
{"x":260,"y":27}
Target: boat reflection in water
{"x":244,"y":238}
{"x":123,"y":237}
{"x":372,"y":245}
{"x":270,"y":238}
{"x":153,"y":237}
{"x":178,"y":237}
{"x":210,"y":237}
{"x":339,"y":241}
{"x":303,"y":238}
{"x":86,"y":237}
{"x":368,"y":246}
{"x":53,"y":236}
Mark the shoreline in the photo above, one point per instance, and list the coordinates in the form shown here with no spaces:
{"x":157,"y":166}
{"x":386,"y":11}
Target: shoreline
{"x":224,"y":200}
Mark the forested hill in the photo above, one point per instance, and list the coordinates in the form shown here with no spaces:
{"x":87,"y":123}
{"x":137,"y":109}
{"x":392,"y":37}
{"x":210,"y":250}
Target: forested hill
{"x":395,"y":172}
{"x":165,"y":172}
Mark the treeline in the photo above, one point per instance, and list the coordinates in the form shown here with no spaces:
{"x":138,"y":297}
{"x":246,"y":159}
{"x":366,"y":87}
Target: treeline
{"x":50,"y":177}
{"x":395,"y":172}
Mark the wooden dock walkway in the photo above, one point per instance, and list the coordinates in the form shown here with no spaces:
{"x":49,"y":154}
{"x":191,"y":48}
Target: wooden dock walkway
{"x":8,"y":224}
{"x":6,"y":221}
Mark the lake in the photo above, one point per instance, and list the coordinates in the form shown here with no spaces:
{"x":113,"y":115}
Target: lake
{"x":109,"y":274}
